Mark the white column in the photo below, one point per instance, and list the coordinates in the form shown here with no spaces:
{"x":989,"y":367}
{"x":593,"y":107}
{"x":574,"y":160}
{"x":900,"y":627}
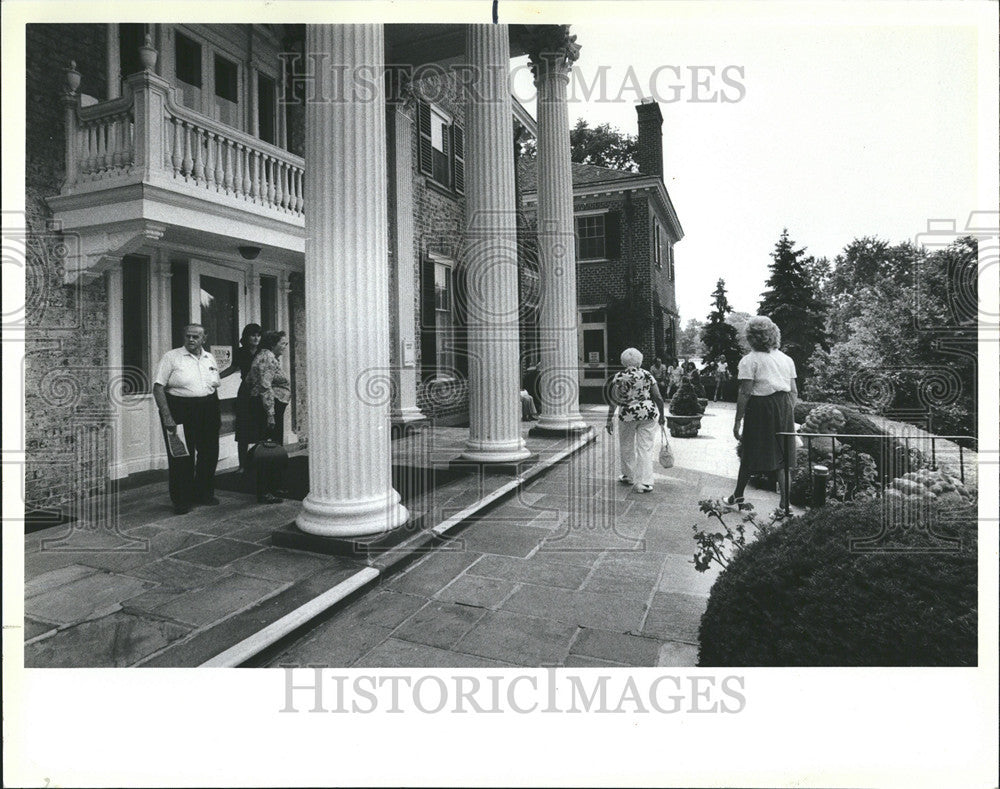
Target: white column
{"x":559,"y":385}
{"x":490,"y":253}
{"x":404,"y":409}
{"x":347,"y":318}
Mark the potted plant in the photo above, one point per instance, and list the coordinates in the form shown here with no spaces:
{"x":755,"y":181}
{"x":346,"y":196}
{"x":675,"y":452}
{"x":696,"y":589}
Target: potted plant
{"x":685,"y":414}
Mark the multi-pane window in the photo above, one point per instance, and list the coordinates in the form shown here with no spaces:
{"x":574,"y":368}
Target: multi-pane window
{"x":442,"y":148}
{"x":187,"y":68}
{"x":657,"y":245}
{"x":266,"y":106}
{"x":590,"y":237}
{"x":444,"y":324}
{"x":226,"y":105}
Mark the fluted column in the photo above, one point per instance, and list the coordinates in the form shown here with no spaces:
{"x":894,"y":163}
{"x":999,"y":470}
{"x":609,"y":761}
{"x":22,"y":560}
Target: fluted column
{"x":347,"y":311}
{"x":490,"y":253}
{"x":552,"y":56}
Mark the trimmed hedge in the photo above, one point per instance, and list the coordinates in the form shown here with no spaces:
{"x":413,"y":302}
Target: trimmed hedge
{"x":800,"y":597}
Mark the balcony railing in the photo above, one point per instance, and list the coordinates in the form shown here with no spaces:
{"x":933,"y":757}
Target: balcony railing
{"x":146,"y":136}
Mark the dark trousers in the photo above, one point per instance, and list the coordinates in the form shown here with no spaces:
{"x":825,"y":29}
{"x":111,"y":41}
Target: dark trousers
{"x":265,"y":482}
{"x":192,"y":479}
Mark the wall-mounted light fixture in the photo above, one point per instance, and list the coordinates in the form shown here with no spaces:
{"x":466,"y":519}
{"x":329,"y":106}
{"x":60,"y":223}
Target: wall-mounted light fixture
{"x":249,"y":253}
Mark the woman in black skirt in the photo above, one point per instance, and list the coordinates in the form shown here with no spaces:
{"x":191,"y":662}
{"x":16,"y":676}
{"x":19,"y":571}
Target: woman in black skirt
{"x":765,"y":407}
{"x":243,"y":358}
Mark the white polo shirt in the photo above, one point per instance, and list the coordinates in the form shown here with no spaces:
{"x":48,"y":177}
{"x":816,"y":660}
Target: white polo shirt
{"x":183,"y":374}
{"x":770,"y":372}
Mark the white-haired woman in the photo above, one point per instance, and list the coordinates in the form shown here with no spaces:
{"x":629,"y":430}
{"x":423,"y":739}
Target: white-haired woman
{"x":765,"y":407}
{"x":637,"y":397}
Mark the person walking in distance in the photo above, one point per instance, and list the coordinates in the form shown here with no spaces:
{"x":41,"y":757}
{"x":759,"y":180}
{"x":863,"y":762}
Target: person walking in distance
{"x":185,"y":391}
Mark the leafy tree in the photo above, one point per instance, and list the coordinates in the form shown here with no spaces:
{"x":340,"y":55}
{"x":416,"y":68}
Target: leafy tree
{"x":738,"y":320}
{"x":602,"y":145}
{"x":904,"y":318}
{"x":689,"y":341}
{"x":718,"y":336}
{"x":791,"y":302}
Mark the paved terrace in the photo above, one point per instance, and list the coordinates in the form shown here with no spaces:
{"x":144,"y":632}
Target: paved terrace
{"x":571,"y":569}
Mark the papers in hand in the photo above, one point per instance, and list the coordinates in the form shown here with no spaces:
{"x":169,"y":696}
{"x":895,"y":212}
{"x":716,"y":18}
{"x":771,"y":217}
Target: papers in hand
{"x":176,"y":445}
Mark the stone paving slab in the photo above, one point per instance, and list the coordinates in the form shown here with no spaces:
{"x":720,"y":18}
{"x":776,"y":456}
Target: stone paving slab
{"x":621,"y":648}
{"x":87,"y":597}
{"x":523,"y":641}
{"x":396,"y":653}
{"x":118,"y":639}
{"x":439,"y":625}
{"x":217,"y":599}
{"x":477,"y":591}
{"x":537,"y":570}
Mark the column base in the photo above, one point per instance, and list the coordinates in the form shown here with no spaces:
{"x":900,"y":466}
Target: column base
{"x":512,"y":467}
{"x":561,"y":423}
{"x":361,"y":518}
{"x":508,"y":452}
{"x":364,"y":548}
{"x":573,"y":429}
{"x":406,"y":422}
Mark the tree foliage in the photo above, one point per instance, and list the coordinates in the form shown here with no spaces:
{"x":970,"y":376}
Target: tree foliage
{"x":791,"y":301}
{"x":903,"y":331}
{"x":689,"y":341}
{"x":603,"y":145}
{"x":718,"y":336}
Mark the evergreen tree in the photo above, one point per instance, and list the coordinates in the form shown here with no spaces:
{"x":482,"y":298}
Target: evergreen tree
{"x":718,"y":336}
{"x":791,"y":302}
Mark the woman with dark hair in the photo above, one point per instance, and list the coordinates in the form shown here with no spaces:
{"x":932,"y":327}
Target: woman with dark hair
{"x":269,"y":395}
{"x":242,"y":359}
{"x":765,"y":407}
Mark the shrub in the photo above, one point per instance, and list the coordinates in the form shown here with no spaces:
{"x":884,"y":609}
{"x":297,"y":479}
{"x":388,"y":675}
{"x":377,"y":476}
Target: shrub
{"x":891,"y":456}
{"x":685,"y":401}
{"x":799,"y":596}
{"x":854,"y":475}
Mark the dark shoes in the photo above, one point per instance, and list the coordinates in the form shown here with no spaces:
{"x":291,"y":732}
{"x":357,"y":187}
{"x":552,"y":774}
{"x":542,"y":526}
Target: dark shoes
{"x":732,"y":501}
{"x":209,"y":502}
{"x":269,"y":498}
{"x":182,"y":509}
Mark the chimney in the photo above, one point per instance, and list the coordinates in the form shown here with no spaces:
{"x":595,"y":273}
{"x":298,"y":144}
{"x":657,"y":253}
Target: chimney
{"x":650,"y":154}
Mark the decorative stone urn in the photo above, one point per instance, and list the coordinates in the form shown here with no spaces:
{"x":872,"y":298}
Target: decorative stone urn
{"x":147,"y":54}
{"x":72,"y":78}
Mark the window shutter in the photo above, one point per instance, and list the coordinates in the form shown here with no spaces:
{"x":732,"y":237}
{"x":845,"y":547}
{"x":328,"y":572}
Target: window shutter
{"x":424,"y":149}
{"x":428,"y":346}
{"x":458,"y":149}
{"x":613,"y":235}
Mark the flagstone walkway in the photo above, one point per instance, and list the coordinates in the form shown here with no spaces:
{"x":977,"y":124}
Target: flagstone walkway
{"x":573,"y":569}
{"x":577,"y":570}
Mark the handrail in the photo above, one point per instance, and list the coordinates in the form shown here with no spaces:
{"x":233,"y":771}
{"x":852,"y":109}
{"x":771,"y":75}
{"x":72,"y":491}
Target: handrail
{"x":229,"y":132}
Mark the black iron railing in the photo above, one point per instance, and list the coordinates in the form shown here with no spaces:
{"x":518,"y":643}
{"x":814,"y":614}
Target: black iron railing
{"x":897,"y":455}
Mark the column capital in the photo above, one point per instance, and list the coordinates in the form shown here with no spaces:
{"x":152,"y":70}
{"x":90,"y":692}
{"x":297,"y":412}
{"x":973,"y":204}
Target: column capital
{"x":551,"y":50}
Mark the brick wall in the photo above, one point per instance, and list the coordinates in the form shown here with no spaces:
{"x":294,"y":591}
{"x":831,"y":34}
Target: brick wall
{"x":66,"y":377}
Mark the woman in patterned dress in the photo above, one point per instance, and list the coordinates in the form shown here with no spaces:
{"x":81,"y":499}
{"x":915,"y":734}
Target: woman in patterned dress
{"x":269,"y":395}
{"x":637,"y":397}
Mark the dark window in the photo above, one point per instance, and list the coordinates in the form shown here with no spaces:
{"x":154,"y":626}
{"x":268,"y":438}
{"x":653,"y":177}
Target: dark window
{"x":444,"y":323}
{"x":590,"y":237}
{"x":265,"y":109}
{"x":225,"y":79}
{"x":268,"y":303}
{"x":657,"y":246}
{"x":187,"y":65}
{"x":135,"y":324}
{"x":130,"y":38}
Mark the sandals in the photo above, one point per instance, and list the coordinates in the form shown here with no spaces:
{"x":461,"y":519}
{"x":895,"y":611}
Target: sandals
{"x":269,"y":498}
{"x":732,"y":501}
{"x":643,"y":488}
{"x":624,"y":480}
{"x":780,"y":515}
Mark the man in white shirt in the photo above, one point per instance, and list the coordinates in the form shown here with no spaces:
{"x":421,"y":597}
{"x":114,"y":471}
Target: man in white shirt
{"x":185,"y":392}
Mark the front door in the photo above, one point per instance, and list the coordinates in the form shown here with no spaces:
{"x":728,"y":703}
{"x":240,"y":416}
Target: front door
{"x":593,"y":344}
{"x":219,"y":303}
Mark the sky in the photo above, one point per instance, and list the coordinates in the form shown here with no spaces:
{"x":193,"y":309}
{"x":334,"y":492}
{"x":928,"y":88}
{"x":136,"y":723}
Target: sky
{"x":838,"y":125}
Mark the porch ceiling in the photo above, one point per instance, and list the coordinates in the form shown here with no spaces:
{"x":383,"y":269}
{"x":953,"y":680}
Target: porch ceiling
{"x":416,"y":44}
